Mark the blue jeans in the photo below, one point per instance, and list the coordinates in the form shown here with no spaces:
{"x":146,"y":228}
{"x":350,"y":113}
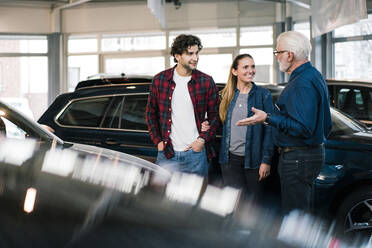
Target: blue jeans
{"x":189,"y":162}
{"x":297,"y":171}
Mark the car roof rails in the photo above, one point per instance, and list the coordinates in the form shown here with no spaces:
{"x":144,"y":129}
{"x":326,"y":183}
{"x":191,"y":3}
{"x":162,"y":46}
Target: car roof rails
{"x":105,"y":75}
{"x":104,"y":79}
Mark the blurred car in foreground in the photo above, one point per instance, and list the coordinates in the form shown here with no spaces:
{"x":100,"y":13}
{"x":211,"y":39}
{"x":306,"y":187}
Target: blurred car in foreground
{"x":55,"y":197}
{"x":14,"y":127}
{"x":352,"y":97}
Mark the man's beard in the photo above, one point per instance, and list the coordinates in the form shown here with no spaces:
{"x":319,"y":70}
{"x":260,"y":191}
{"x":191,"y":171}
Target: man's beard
{"x":283,"y":66}
{"x":188,"y":66}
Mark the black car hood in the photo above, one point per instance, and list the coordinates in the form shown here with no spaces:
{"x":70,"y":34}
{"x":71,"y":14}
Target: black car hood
{"x":361,"y":141}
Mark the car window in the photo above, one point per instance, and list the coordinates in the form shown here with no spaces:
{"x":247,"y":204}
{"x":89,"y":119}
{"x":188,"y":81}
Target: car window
{"x":133,"y":114}
{"x":353,"y":102}
{"x":369,"y":104}
{"x":112,"y":116}
{"x":342,"y":125}
{"x":341,"y":97}
{"x":9,"y":129}
{"x":85,"y":112}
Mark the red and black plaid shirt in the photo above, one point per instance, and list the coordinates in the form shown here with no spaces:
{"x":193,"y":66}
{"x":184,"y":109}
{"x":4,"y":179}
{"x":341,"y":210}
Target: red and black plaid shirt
{"x":204,"y":96}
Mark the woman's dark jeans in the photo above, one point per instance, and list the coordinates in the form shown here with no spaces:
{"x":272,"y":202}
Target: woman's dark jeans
{"x":297,"y":171}
{"x":235,"y":175}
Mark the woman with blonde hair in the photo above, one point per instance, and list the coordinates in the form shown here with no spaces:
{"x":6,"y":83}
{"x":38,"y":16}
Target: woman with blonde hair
{"x":246,"y":151}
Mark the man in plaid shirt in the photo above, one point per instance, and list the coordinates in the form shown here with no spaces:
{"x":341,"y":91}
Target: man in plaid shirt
{"x":180,"y":99}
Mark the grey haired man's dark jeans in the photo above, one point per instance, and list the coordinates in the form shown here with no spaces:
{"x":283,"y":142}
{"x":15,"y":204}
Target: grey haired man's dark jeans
{"x":297,"y":171}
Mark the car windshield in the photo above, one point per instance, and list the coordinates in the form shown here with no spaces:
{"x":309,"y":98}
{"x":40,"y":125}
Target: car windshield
{"x":342,"y":124}
{"x":17,"y":126}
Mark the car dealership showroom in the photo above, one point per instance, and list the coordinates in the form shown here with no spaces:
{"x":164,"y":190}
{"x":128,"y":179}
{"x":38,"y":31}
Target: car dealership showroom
{"x":96,"y":152}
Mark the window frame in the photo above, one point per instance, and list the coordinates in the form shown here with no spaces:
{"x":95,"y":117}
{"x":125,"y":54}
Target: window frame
{"x":123,"y":95}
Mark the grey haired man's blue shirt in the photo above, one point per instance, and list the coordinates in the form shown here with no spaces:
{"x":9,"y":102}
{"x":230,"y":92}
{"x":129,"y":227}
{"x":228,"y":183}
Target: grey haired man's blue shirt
{"x":302,"y":114}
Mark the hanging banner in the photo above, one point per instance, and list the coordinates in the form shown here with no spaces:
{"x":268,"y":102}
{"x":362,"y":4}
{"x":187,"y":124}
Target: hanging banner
{"x":330,"y":14}
{"x":157,"y":8}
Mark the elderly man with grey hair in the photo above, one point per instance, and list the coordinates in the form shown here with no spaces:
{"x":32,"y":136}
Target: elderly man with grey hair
{"x":301,"y":121}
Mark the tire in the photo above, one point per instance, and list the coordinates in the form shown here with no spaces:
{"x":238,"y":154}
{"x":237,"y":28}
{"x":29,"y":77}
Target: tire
{"x":354,"y":216}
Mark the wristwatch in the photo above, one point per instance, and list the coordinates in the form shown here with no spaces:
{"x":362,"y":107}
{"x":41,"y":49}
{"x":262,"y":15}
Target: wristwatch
{"x":267,"y":120}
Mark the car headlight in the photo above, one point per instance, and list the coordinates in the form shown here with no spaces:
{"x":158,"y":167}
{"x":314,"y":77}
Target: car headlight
{"x":330,"y":173}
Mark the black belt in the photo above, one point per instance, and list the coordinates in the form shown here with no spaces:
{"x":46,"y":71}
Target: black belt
{"x":294,"y":148}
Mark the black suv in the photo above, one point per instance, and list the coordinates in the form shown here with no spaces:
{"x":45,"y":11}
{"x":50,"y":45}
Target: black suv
{"x":105,"y":112}
{"x":108,"y":112}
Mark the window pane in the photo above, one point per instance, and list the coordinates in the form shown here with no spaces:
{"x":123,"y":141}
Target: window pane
{"x":341,"y":124}
{"x":85,"y":113}
{"x":352,"y":61}
{"x":251,"y":36}
{"x":24,"y":84}
{"x":10,"y":130}
{"x":144,"y":66}
{"x":113,"y":114}
{"x":82,"y":44}
{"x":23,"y":44}
{"x":216,"y":65}
{"x":363,"y":27}
{"x":210,"y":38}
{"x":355,"y":101}
{"x":351,"y":102}
{"x":304,"y":28}
{"x":263,"y":58}
{"x":80,"y":67}
{"x":131,"y":42}
{"x":134,"y":110}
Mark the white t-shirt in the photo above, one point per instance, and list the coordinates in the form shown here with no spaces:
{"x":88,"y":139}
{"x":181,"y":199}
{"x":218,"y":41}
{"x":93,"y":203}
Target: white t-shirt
{"x":183,"y":130}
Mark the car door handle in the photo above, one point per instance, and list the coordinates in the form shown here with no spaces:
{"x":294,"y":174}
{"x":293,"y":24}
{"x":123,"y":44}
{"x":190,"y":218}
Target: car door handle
{"x":112,"y":142}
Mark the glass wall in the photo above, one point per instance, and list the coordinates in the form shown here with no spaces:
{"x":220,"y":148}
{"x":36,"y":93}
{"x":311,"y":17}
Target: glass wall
{"x":303,"y":27}
{"x":80,"y":68}
{"x":353,"y":60}
{"x":211,"y":37}
{"x":258,"y":42}
{"x":353,"y":51}
{"x":133,"y":42}
{"x":263,"y":58}
{"x":216,"y":65}
{"x":363,"y":27}
{"x":139,"y":66}
{"x":147,"y":53}
{"x":24,"y":73}
{"x":85,"y":62}
{"x":78,"y":44}
{"x":253,"y":36}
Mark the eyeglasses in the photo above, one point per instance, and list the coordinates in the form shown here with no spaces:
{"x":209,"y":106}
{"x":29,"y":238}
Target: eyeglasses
{"x":278,"y":52}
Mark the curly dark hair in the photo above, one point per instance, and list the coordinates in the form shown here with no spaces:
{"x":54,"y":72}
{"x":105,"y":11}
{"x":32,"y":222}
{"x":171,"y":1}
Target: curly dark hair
{"x":182,"y":42}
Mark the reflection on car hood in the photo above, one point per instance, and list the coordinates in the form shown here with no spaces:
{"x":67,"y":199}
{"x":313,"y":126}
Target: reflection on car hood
{"x":122,"y":157}
{"x":363,"y":138}
{"x":364,"y":134}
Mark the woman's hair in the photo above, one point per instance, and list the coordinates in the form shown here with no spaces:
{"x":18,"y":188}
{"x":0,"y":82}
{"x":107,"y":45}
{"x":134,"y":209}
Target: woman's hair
{"x":295,"y":42}
{"x":182,"y":42}
{"x":227,"y":94}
